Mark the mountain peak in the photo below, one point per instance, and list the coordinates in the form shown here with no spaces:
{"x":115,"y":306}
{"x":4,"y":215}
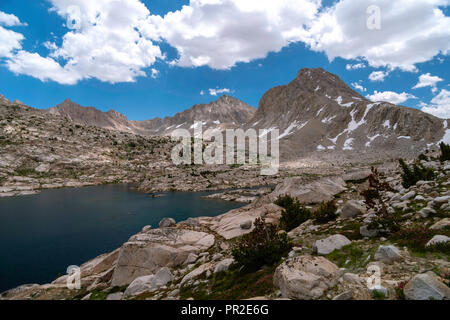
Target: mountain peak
{"x":321,"y":82}
{"x":228,"y":100}
{"x":319,"y":113}
{"x":68,"y":101}
{"x":313,"y":72}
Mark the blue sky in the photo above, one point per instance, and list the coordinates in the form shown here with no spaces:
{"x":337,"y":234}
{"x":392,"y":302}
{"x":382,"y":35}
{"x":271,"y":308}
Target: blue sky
{"x":178,"y":86}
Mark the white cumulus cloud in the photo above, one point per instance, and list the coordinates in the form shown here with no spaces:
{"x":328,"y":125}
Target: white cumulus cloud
{"x":217,"y":91}
{"x":118,"y":40}
{"x":44,"y":69}
{"x":378,"y":76}
{"x":10,"y":41}
{"x":107,"y":45}
{"x":390,"y":96}
{"x":359,"y":87}
{"x":222,"y":33}
{"x":427,"y":80}
{"x":9,"y":20}
{"x":356,"y":66}
{"x":411,"y":32}
{"x":440,"y":105}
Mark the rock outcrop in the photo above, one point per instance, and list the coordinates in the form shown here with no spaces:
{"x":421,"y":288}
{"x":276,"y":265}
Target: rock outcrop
{"x":149,"y":283}
{"x":388,"y":254}
{"x":426,"y":287}
{"x":305,"y":277}
{"x":328,"y":245}
{"x":320,"y":190}
{"x":229,"y":225}
{"x":145,"y":253}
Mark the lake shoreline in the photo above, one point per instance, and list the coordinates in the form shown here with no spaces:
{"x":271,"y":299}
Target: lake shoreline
{"x":128,"y":206}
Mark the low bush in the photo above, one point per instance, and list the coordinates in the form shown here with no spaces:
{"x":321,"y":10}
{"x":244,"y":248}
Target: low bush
{"x":384,"y":221}
{"x":423,"y":157}
{"x":372,"y":195}
{"x":233,"y":285}
{"x":294,"y":214}
{"x":443,"y":247}
{"x":445,"y":152}
{"x":414,"y":238}
{"x":264,"y":246}
{"x":326,"y":212}
{"x":418,"y":172}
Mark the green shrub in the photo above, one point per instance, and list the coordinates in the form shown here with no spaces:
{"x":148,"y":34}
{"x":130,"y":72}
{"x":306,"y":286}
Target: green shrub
{"x":386,"y":223}
{"x":326,"y":212}
{"x":423,"y":157}
{"x":443,"y":247}
{"x":265,"y":245}
{"x":414,"y":238}
{"x":412,"y":175}
{"x":285,"y":201}
{"x":378,"y":295}
{"x":233,"y":285}
{"x":445,"y":152}
{"x":294,"y":214}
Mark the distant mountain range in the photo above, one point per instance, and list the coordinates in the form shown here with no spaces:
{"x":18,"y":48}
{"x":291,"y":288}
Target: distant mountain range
{"x":226,"y":112}
{"x":317,"y":114}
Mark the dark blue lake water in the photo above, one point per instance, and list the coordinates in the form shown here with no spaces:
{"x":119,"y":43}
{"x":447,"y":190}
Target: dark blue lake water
{"x":41,"y":235}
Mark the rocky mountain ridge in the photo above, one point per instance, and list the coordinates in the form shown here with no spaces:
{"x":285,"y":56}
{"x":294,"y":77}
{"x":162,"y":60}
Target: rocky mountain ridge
{"x":317,"y":113}
{"x":226,"y":112}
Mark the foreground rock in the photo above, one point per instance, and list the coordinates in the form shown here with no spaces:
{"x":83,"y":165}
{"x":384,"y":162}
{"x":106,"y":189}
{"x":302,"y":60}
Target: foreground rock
{"x":426,"y":287}
{"x":439,"y":239}
{"x":305,"y":277}
{"x":352,"y":209}
{"x":240,"y":221}
{"x":187,"y":279}
{"x":388,"y":254}
{"x":444,"y":223}
{"x":95,"y":271}
{"x":145,"y":253}
{"x":223,"y":265}
{"x":149,"y":283}
{"x":321,"y":190}
{"x":328,"y":245}
{"x":115,"y":296}
{"x":17,"y":291}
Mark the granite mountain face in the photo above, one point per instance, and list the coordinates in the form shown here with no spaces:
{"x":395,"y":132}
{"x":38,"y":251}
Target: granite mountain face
{"x":318,"y":115}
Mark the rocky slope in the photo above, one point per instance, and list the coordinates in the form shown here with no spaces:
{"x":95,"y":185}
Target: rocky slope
{"x":226,"y":112}
{"x":41,"y":151}
{"x":318,"y":114}
{"x":334,"y":260}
